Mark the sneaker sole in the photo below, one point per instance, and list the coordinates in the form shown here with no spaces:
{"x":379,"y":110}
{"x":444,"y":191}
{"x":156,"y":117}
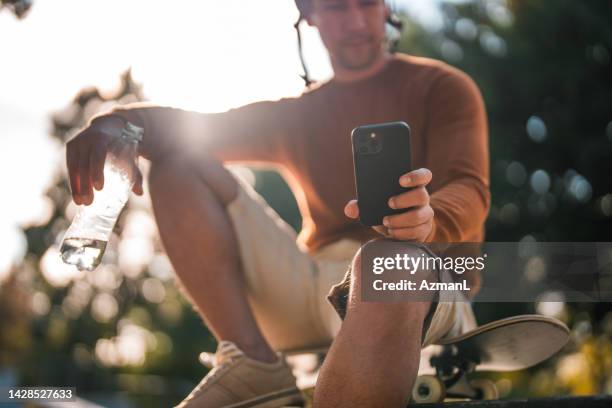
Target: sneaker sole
{"x":272,"y":400}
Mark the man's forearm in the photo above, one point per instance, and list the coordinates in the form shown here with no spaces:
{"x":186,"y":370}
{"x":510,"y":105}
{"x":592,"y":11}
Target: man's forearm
{"x":251,"y":133}
{"x":167,"y":131}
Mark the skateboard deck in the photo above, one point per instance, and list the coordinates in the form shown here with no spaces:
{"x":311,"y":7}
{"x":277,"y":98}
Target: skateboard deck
{"x":509,"y":344}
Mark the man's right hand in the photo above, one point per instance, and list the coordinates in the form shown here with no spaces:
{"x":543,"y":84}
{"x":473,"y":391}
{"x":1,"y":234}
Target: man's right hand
{"x":85,"y":156}
{"x":351,"y":210}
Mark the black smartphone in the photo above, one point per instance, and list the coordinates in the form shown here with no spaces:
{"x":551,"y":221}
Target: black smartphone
{"x":381,"y":154}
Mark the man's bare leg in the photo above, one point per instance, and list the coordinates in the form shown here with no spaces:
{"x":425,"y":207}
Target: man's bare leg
{"x":374,"y":359}
{"x":189,"y":203}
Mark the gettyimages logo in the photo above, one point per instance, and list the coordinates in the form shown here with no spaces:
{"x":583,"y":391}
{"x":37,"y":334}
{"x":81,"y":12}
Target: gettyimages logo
{"x":489,"y":272}
{"x":412,"y":264}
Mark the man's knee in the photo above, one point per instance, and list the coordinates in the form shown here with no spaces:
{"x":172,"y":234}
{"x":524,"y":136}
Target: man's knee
{"x":388,"y":309}
{"x":178,"y":173}
{"x":389,"y":248}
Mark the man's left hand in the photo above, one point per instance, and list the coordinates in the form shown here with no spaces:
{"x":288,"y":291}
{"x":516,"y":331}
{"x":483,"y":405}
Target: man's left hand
{"x":414,"y":224}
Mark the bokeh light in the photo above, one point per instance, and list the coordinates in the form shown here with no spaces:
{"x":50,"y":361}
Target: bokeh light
{"x":536,"y":129}
{"x":55,"y":271}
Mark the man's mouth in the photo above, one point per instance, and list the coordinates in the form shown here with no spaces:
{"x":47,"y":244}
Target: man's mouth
{"x":357,"y":41}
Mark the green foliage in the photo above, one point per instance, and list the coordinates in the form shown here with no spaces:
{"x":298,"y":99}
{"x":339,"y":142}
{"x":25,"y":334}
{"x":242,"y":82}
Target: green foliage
{"x":18,"y":7}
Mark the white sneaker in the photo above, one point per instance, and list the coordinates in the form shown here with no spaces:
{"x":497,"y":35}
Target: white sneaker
{"x":237,"y":381}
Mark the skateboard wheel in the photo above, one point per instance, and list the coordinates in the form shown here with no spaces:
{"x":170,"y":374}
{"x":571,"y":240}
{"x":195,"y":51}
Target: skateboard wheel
{"x":486,"y":388}
{"x":427,"y":389}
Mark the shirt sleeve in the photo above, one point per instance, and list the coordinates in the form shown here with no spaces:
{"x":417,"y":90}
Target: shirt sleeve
{"x":251,"y":133}
{"x":458,"y":156}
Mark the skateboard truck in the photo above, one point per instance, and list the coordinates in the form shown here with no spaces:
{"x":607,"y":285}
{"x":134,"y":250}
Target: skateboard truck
{"x":451,"y":379}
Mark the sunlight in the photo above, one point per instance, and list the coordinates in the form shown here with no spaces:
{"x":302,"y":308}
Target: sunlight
{"x":129,"y":348}
{"x":55,"y":271}
{"x":14,"y":247}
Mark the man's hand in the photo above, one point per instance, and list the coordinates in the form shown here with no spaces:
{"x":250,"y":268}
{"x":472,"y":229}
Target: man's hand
{"x":85,"y":156}
{"x":416,"y":223}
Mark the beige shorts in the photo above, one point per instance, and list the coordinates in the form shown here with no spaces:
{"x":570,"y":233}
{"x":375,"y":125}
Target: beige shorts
{"x":287,"y":287}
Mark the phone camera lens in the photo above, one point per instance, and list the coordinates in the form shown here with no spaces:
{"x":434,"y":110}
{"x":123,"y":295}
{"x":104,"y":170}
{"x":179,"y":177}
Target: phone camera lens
{"x":374,"y":144}
{"x":363,"y":149}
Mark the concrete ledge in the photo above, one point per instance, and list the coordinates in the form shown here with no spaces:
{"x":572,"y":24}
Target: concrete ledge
{"x":597,"y":401}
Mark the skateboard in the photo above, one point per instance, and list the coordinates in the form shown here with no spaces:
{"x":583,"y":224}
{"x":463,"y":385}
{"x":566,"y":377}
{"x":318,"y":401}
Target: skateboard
{"x":509,"y":344}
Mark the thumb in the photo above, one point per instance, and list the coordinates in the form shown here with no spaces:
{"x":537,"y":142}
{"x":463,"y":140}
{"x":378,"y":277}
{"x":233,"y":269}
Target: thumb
{"x":351,"y":209}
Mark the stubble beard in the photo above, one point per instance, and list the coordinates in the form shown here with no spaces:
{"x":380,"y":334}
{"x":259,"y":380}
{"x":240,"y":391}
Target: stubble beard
{"x":355,"y":61}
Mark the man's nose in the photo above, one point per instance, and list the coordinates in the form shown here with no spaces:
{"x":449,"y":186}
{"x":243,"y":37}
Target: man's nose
{"x":355,"y":17}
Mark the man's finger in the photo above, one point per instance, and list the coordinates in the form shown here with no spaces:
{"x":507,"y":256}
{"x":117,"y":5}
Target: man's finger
{"x":73,"y":169}
{"x":417,"y":233}
{"x":418,"y":177}
{"x":410,"y":218}
{"x":84,"y":184}
{"x":96,"y":165}
{"x":416,"y":197}
{"x":351,"y":209}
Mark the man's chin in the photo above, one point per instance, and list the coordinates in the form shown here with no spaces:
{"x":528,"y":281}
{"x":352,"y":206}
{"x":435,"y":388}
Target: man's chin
{"x":356,"y":64}
{"x":357,"y":61}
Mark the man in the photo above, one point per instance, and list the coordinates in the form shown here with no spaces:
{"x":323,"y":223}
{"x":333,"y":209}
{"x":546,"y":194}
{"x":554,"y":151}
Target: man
{"x":260,"y":291}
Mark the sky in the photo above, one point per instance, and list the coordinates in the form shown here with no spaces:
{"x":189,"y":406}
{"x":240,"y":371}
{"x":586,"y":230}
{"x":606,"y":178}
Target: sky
{"x":202,"y":55}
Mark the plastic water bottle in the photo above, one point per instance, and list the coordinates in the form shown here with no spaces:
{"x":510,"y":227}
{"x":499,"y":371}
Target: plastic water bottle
{"x":85,"y":241}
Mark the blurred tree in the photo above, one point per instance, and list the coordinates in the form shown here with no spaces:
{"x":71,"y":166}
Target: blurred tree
{"x":17,"y":7}
{"x":15,"y":337}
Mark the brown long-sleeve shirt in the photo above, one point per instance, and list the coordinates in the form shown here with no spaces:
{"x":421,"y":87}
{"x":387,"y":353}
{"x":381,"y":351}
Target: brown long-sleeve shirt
{"x":309,"y":138}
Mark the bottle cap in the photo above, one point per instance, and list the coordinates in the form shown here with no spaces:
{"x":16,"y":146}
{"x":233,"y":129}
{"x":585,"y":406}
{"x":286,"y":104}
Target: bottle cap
{"x":131,"y":132}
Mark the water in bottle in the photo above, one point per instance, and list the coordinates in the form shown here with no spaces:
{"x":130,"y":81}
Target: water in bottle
{"x":85,"y":241}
